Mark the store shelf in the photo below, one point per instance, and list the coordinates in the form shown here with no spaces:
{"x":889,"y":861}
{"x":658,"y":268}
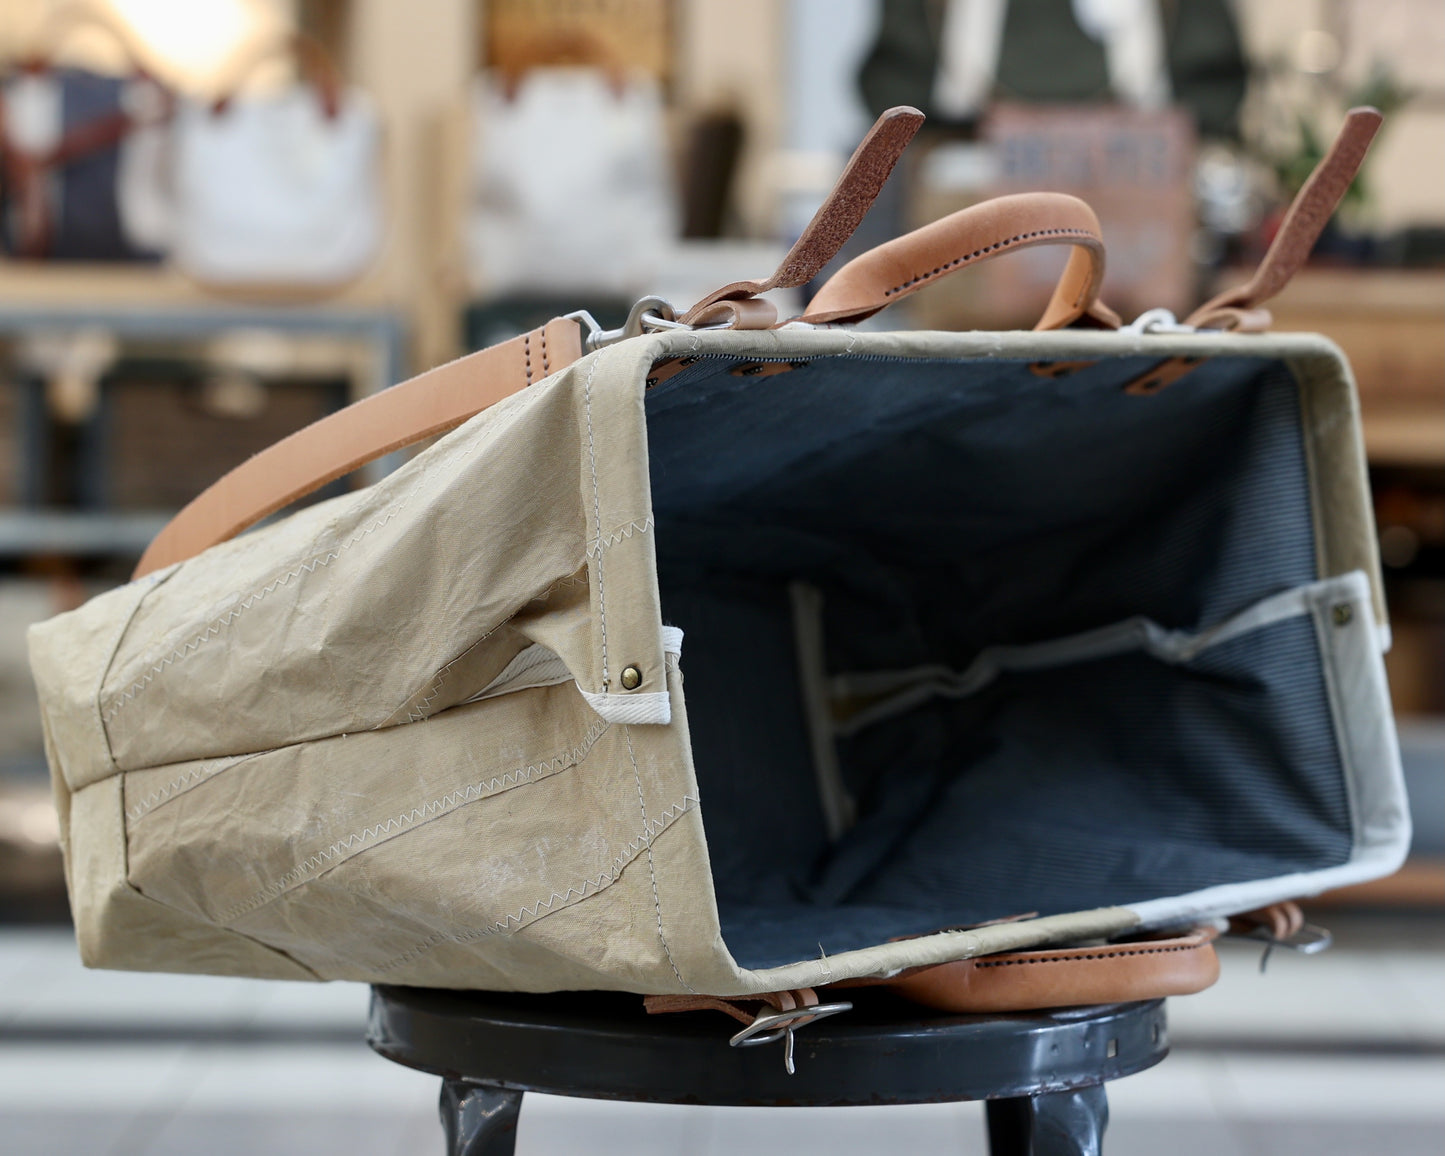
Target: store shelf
{"x":31,"y":532}
{"x":1391,"y":325}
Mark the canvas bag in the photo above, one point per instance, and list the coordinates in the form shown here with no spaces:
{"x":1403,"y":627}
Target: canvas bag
{"x":282,"y":189}
{"x":993,"y":642}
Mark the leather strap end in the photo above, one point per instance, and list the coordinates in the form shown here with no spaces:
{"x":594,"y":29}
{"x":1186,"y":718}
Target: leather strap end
{"x":1305,"y":220}
{"x":839,"y":215}
{"x":745,"y":313}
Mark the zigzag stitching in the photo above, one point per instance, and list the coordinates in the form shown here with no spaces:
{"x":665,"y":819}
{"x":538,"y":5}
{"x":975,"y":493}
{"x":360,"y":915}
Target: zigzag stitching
{"x":588,"y":886}
{"x":419,"y":713}
{"x":461,"y":796}
{"x":225,"y":620}
{"x":600,"y":543}
{"x":157,"y":797}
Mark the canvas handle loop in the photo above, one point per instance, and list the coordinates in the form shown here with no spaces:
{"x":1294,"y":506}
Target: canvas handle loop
{"x":893,"y":270}
{"x":429,"y":404}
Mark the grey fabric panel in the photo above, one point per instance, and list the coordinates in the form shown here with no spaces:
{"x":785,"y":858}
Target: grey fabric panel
{"x":942,"y":507}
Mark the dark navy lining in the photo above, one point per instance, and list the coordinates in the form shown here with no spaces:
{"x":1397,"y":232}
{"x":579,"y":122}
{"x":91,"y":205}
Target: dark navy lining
{"x":941,"y":507}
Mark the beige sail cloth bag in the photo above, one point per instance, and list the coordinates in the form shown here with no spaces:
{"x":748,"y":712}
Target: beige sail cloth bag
{"x":733,"y":657}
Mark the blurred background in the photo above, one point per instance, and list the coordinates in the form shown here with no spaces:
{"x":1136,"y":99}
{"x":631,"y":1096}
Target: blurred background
{"x":222,"y":219}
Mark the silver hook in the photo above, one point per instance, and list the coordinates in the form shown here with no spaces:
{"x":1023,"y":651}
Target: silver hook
{"x":646,"y":312}
{"x":770,"y":1027}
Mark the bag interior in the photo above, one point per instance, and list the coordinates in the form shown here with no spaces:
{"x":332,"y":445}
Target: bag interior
{"x":883,"y":568}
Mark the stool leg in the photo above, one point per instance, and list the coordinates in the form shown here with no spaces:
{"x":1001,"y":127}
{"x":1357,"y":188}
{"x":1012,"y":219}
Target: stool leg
{"x":1052,"y":1124}
{"x":479,"y":1119}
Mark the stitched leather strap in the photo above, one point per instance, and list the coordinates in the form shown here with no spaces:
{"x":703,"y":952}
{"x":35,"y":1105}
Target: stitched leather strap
{"x":431,"y":403}
{"x":837,"y":218}
{"x":1065,"y":977}
{"x":981,"y":232}
{"x":1307,"y":216}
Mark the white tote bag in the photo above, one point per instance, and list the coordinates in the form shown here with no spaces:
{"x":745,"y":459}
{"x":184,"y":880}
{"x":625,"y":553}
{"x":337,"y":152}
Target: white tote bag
{"x":571,"y":184}
{"x":280,"y":189}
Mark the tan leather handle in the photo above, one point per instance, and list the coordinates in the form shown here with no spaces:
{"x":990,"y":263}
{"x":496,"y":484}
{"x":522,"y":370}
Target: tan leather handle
{"x":893,"y":270}
{"x":431,"y":403}
{"x":1148,"y":968}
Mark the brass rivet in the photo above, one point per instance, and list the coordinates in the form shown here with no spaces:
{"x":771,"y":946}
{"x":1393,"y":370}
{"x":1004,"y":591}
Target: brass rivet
{"x":631,"y":678}
{"x":1342,"y":613}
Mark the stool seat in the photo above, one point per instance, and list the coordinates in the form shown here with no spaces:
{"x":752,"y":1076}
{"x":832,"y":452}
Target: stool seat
{"x":1041,"y":1071}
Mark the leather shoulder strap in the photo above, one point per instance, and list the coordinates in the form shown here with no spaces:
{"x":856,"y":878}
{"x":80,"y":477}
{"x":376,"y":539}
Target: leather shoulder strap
{"x":431,"y":403}
{"x":1307,"y":216}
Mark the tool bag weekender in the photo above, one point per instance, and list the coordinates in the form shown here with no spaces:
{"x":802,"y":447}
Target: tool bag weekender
{"x":731,"y":658}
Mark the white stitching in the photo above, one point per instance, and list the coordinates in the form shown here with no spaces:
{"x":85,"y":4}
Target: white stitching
{"x":596,"y":516}
{"x":419,"y":713}
{"x":216,"y":627}
{"x":651,"y":868}
{"x":231,"y":615}
{"x":187,"y":780}
{"x":581,"y":890}
{"x":407,"y":819}
{"x":599,"y":543}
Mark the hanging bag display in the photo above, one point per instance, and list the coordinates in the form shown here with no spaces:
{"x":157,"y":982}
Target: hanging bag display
{"x":594,"y":217}
{"x":84,"y":157}
{"x":281,"y":189}
{"x":725,"y":661}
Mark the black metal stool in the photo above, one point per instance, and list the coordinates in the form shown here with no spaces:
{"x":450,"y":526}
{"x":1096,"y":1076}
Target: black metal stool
{"x":1042,"y":1073}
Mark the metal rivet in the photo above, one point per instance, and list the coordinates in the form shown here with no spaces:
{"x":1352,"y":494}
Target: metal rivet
{"x":1342,"y":614}
{"x":631,"y":678}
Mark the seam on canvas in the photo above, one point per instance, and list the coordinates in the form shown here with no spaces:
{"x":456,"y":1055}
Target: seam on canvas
{"x":184,"y":782}
{"x":600,"y":543}
{"x":420,"y":713}
{"x":116,"y":639}
{"x":334,"y":855}
{"x":528,"y":912}
{"x":219,"y":624}
{"x":996,"y":247}
{"x":651,"y":866}
{"x":596,"y":517}
{"x":560,"y":584}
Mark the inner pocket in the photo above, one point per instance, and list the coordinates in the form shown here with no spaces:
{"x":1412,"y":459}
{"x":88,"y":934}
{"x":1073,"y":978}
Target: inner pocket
{"x":1108,"y":767}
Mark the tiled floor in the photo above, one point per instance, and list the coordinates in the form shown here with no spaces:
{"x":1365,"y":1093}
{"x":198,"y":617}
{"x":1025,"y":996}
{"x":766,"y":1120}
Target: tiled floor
{"x":1338,"y":1054}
